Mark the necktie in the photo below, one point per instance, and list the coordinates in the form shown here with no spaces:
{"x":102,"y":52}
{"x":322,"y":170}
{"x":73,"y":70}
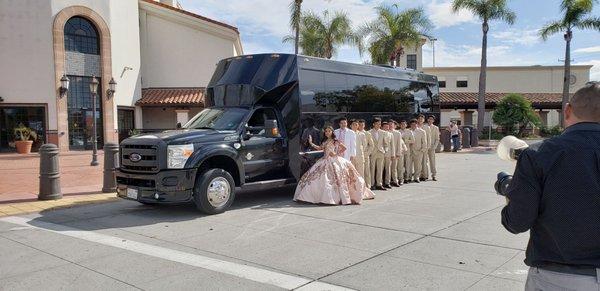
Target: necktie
{"x":342,"y":135}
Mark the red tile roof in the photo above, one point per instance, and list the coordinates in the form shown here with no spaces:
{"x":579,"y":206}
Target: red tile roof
{"x":193,"y":15}
{"x":546,"y":100}
{"x":172,"y":97}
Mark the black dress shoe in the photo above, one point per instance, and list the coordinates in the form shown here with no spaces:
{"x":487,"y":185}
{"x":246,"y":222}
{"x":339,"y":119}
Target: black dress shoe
{"x":422,"y":179}
{"x":433,"y":178}
{"x":395,"y":184}
{"x":380,"y":188}
{"x":416,"y":181}
{"x":401,"y":183}
{"x":387,"y":186}
{"x":373,"y":188}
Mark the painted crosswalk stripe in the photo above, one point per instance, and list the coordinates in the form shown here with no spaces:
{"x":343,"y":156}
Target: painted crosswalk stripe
{"x":239,"y":270}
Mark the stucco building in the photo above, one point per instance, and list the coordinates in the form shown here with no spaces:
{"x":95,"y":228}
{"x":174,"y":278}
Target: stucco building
{"x":156,"y":57}
{"x":541,"y":85}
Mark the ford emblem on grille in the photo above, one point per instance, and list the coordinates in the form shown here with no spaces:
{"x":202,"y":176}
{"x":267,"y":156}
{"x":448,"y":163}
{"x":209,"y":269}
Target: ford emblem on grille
{"x":135,"y":157}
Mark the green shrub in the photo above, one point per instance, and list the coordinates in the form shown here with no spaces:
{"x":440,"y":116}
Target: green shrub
{"x":514,"y":113}
{"x":550,"y":131}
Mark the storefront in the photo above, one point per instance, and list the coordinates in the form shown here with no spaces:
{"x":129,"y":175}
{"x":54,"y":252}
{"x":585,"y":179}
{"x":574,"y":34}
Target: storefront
{"x":12,"y":116}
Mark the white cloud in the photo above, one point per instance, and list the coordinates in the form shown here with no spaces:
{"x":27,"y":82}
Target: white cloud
{"x":595,"y":72}
{"x":588,"y":50}
{"x":526,"y":37}
{"x":440,"y":13}
{"x":448,"y":55}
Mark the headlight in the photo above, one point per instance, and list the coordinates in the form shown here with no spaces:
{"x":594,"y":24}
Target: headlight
{"x":177,"y":155}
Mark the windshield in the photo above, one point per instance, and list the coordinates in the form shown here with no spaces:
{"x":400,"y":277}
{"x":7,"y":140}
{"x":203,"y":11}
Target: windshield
{"x":218,"y":118}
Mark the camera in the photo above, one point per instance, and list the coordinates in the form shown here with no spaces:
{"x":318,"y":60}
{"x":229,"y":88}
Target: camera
{"x":508,"y":149}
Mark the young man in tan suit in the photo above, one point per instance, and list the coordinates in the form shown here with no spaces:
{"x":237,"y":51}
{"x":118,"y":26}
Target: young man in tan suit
{"x":398,"y":162}
{"x":389,"y":156}
{"x":435,"y":140}
{"x":359,"y":159}
{"x":419,"y":148}
{"x":367,"y":151}
{"x":408,"y":137}
{"x":423,"y":125}
{"x":381,"y":145}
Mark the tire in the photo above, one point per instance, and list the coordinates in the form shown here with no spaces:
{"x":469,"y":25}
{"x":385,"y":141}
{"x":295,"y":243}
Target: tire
{"x":222,"y":191}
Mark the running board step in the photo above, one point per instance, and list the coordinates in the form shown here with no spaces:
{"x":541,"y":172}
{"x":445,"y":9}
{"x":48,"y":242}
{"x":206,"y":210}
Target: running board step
{"x":262,"y":185}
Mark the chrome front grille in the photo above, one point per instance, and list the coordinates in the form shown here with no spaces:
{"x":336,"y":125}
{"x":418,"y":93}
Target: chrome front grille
{"x":148,"y":158}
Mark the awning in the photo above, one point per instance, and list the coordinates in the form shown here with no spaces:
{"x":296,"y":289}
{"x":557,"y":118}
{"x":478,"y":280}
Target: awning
{"x":173,"y":97}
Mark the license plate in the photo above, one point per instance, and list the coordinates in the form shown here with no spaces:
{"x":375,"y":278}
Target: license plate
{"x":132,"y":193}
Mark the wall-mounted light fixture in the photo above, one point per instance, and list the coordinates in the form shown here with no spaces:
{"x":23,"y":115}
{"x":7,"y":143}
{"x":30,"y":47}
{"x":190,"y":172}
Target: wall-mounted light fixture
{"x":112,"y":88}
{"x":64,"y":86}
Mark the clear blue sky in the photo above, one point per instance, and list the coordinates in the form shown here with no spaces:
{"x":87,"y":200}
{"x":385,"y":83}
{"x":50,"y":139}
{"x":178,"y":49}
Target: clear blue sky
{"x":263,"y":24}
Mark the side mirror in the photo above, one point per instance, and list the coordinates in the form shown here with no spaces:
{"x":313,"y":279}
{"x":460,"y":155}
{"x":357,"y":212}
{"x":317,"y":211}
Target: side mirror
{"x":271,"y":129}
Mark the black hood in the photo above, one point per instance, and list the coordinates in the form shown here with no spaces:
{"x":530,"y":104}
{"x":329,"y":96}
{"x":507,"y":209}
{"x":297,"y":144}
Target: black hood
{"x":185,"y":136}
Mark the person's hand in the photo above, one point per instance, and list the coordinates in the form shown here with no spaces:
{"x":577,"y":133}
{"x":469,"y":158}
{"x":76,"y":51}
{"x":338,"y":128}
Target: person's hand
{"x":310,"y":139}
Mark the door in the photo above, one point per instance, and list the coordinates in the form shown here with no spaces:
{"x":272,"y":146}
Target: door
{"x":264,"y":158}
{"x":81,"y":129}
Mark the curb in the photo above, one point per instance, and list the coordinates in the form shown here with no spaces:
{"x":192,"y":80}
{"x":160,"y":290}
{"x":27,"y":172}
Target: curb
{"x":38,"y":206}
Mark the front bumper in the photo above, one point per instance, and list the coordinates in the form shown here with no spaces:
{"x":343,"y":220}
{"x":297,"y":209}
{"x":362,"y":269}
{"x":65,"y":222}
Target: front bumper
{"x":164,"y":187}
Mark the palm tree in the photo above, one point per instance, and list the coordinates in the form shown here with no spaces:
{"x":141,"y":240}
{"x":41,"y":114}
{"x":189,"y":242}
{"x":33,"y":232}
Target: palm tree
{"x":394,"y":30}
{"x":320,"y":36}
{"x":486,"y":10}
{"x":575,"y":15}
{"x":296,"y":12}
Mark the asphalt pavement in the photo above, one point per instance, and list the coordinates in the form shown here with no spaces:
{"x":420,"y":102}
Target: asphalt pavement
{"x":443,"y":235}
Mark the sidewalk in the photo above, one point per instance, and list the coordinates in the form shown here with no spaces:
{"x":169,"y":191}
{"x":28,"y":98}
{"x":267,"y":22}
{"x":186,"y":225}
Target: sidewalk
{"x":19,"y":181}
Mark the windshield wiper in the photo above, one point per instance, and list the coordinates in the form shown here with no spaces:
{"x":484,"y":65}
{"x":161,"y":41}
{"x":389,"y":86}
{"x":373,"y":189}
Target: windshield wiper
{"x":204,"y":127}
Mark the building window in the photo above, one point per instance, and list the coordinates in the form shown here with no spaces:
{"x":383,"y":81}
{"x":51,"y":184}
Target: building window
{"x":411,"y":61}
{"x":462,"y":84}
{"x":442,"y":84}
{"x":81,"y":36}
{"x":11,"y":117}
{"x":81,"y":115}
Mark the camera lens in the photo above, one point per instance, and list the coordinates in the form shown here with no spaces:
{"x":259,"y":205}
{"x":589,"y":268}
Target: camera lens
{"x":502,"y":183}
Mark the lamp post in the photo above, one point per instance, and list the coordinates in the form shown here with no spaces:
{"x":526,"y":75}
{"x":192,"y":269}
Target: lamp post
{"x":94,"y":91}
{"x":433,"y":40}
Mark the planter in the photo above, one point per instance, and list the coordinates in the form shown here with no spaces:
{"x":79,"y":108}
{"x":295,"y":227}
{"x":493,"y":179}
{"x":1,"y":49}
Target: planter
{"x":23,"y":146}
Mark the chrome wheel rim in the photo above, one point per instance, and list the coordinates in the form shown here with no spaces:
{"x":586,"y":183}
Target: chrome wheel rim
{"x":218,"y":192}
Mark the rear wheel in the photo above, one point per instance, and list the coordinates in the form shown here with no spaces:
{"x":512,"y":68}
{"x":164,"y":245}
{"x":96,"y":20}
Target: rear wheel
{"x":214,"y":191}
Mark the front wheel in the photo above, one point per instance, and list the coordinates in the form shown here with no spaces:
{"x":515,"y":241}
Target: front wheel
{"x":214,"y":191}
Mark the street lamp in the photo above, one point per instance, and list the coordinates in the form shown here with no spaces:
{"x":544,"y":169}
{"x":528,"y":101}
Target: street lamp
{"x":64,"y":86}
{"x":94,"y":91}
{"x":112,"y":88}
{"x":433,"y":40}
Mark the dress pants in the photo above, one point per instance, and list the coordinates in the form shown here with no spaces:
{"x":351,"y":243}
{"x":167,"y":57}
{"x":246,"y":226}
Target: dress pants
{"x":388,"y":170}
{"x":417,"y":157}
{"x":359,"y":164}
{"x":431,"y":158}
{"x":408,"y":166}
{"x":367,"y":172}
{"x":377,"y":168}
{"x":424,"y":167}
{"x":540,"y":279}
{"x":399,"y":169}
{"x":395,"y":170}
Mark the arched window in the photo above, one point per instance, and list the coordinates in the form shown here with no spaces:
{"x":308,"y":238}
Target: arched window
{"x":81,"y":36}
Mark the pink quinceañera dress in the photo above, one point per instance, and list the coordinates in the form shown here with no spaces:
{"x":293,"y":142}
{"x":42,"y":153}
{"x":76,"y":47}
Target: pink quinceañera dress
{"x":332,"y":180}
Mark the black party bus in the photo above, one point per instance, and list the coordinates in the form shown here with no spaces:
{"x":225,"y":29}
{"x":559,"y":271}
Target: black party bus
{"x":249,"y":134}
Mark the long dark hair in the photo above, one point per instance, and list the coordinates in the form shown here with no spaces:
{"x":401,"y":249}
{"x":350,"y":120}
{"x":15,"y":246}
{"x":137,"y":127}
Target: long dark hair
{"x":324,"y":139}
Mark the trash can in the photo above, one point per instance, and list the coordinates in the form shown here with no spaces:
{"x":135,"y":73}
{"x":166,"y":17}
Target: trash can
{"x":445,"y":140}
{"x":474,"y":137}
{"x":466,"y":137}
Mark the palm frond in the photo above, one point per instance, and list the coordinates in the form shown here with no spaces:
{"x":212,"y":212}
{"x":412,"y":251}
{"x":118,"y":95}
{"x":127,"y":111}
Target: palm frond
{"x":589,"y":23}
{"x":550,"y":29}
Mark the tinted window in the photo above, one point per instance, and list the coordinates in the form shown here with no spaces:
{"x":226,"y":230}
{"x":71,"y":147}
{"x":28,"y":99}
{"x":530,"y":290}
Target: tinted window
{"x":462,"y":84}
{"x":442,"y":84}
{"x":311,"y":83}
{"x":411,"y":61}
{"x":218,"y":118}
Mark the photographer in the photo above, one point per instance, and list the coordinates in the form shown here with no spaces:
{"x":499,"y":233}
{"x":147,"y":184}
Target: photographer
{"x":555,"y":193}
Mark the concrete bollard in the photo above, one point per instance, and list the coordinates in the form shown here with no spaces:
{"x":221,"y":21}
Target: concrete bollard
{"x":49,"y":173}
{"x":111,"y":162}
{"x":466,"y":138}
{"x":474,"y":137}
{"x":445,"y":140}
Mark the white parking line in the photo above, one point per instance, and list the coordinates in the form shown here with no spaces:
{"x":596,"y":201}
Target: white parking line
{"x":234,"y":269}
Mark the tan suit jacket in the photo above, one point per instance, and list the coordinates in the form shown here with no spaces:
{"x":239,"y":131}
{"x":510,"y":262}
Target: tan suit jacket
{"x":399,"y":142}
{"x":435,"y":136}
{"x":427,"y":130}
{"x":381,"y":142}
{"x":392,"y":148}
{"x":361,"y":140}
{"x":369,"y":145}
{"x":420,"y":140}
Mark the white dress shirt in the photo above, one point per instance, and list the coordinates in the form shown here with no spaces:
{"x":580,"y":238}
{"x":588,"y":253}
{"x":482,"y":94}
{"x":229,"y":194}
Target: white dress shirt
{"x":348,"y":138}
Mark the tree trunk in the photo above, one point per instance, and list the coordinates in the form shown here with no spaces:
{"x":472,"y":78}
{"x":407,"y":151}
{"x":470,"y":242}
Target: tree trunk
{"x":482,"y":79}
{"x":297,"y":28}
{"x":567,"y":78}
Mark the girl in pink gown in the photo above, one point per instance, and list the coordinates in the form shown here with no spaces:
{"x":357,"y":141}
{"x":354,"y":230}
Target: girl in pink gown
{"x":332,"y":179}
